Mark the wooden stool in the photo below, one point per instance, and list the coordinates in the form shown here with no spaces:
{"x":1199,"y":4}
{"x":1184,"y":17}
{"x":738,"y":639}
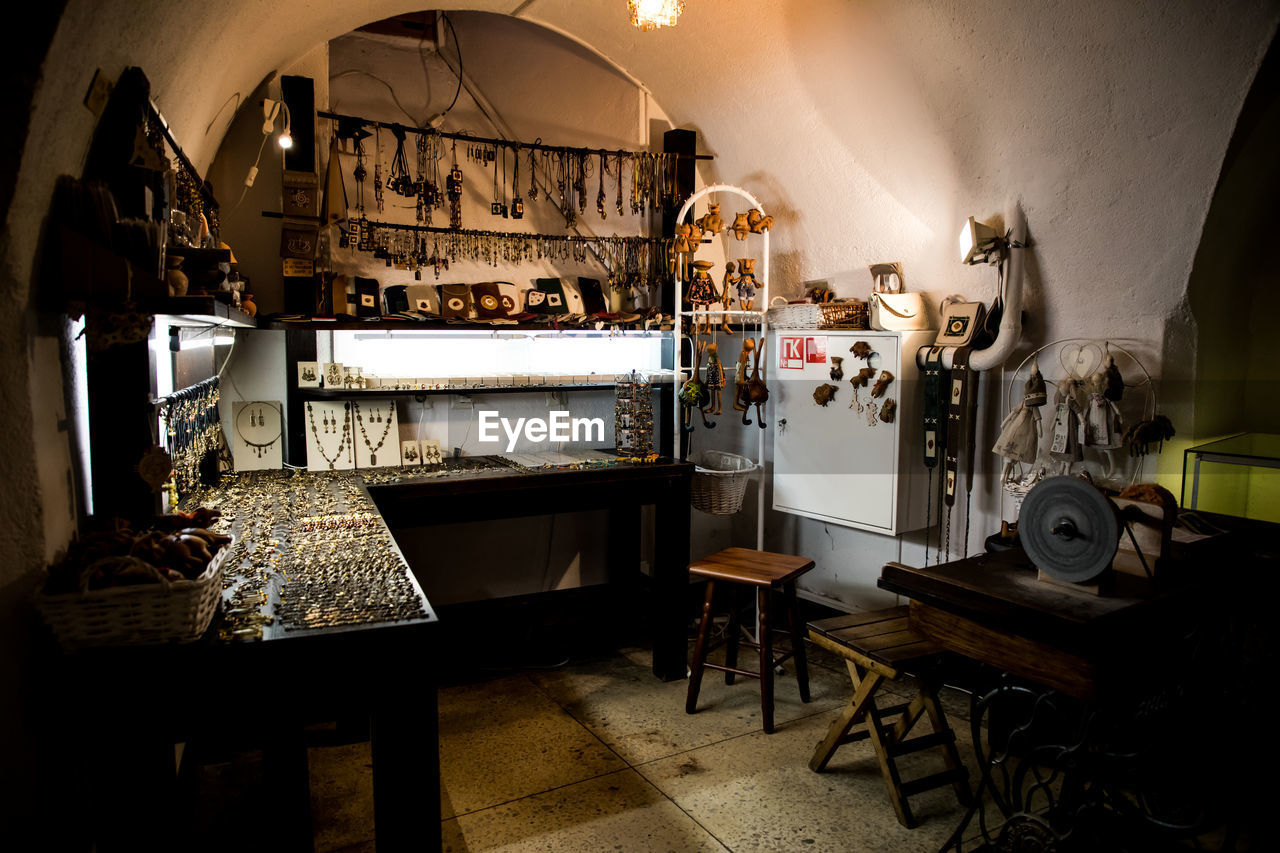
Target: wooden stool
{"x":769,"y":573}
{"x":876,"y":646}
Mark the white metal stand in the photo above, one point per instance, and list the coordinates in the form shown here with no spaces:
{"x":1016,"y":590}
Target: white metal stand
{"x":746,"y":317}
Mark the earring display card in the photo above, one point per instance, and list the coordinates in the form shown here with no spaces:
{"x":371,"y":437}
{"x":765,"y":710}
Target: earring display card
{"x":333,"y":374}
{"x":431,"y":454}
{"x":257,"y":436}
{"x":308,"y":374}
{"x":330,"y":432}
{"x":410,"y":453}
{"x":376,"y":434}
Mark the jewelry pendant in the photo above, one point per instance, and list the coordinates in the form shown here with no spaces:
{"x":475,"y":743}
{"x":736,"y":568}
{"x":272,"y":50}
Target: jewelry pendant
{"x":330,"y":466}
{"x":373,"y":459}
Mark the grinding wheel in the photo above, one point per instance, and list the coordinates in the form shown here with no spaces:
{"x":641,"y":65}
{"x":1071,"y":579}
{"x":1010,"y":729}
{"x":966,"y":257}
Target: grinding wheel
{"x":1069,"y":529}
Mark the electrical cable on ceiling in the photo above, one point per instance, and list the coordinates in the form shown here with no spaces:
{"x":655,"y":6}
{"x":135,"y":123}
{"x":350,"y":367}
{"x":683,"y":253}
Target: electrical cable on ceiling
{"x":458,"y":50}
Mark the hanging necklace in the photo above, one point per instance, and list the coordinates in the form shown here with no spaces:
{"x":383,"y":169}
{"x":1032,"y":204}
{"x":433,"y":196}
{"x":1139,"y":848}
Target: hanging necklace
{"x":386,"y":429}
{"x":346,"y":432}
{"x":517,"y":203}
{"x":257,"y":421}
{"x":619,"y":200}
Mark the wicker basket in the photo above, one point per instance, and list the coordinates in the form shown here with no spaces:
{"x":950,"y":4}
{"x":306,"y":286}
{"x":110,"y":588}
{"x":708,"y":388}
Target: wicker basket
{"x":719,"y":482}
{"x":801,"y":315}
{"x":141,"y":614}
{"x":850,"y":314}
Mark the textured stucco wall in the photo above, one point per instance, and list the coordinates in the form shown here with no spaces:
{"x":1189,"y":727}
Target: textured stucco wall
{"x":869,"y":129}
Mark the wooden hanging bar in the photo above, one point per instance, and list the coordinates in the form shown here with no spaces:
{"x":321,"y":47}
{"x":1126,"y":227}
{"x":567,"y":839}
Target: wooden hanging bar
{"x":489,"y":140}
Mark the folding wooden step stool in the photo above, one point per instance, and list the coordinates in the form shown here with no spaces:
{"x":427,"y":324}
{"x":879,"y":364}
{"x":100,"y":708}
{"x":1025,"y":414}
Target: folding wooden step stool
{"x":879,"y":645}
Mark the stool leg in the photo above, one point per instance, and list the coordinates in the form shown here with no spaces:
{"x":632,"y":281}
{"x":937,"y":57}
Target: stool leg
{"x":797,"y":641}
{"x":864,"y":690}
{"x":764,"y":628}
{"x":950,"y":756}
{"x":700,"y":651}
{"x":733,"y":632}
{"x":888,"y":769}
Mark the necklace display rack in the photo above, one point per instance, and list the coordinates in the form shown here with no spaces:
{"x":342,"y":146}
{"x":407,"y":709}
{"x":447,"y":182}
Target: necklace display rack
{"x":565,"y":171}
{"x":192,"y":427}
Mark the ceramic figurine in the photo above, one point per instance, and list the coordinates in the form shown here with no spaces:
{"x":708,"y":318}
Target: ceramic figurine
{"x":825,"y":393}
{"x":740,"y":226}
{"x":837,"y":368}
{"x":757,"y":222}
{"x":710,"y":222}
{"x":174,"y":276}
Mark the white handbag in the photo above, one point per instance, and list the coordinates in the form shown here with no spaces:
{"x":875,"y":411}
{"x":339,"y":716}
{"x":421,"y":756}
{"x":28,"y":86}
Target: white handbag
{"x":890,"y":309}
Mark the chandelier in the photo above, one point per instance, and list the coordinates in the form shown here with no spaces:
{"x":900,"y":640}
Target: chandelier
{"x":651,"y":14}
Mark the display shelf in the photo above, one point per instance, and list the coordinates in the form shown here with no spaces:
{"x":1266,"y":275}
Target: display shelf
{"x":339,"y":393}
{"x":197,"y":311}
{"x":199,"y":256}
{"x":435,"y":325}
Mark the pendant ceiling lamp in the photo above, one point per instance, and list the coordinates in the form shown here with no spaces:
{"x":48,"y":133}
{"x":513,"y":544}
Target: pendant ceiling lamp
{"x":652,"y":14}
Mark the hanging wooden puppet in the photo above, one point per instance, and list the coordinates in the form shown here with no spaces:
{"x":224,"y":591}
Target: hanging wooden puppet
{"x":694,"y":394}
{"x":701,"y":294}
{"x":1019,"y":439}
{"x":746,"y":283}
{"x":1065,"y":448}
{"x":714,"y":381}
{"x":740,"y":375}
{"x":754,"y":392}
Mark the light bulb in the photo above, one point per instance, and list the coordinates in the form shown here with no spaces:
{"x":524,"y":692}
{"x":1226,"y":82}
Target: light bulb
{"x":285,"y":140}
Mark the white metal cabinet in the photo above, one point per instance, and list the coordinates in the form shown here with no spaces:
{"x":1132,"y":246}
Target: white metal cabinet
{"x":829,"y":462}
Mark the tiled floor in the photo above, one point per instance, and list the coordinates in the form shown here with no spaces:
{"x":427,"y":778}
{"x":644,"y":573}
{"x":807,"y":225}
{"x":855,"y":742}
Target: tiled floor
{"x":598,"y":755}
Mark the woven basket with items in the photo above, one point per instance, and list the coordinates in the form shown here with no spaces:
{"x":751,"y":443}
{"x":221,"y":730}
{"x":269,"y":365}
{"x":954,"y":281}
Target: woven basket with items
{"x":119,"y":587}
{"x":719,"y":481}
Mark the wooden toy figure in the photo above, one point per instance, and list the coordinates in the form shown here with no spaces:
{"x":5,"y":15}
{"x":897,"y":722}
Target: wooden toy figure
{"x":754,"y":392}
{"x":694,"y":394}
{"x":726,"y":295}
{"x":701,"y":294}
{"x":681,"y":252}
{"x":740,"y":226}
{"x":714,"y":381}
{"x":746,"y":282}
{"x":710,"y":222}
{"x":740,"y":378}
{"x":757,"y":222}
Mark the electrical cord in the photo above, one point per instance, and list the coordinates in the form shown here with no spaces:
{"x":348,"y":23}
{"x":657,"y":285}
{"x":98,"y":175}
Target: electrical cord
{"x":457,"y":48}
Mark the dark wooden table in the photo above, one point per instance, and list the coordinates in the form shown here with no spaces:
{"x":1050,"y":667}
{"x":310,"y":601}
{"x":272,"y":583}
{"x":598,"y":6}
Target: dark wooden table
{"x":1099,"y":689}
{"x":621,"y":489}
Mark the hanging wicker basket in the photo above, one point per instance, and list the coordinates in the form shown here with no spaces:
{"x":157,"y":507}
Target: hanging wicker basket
{"x":719,"y":481}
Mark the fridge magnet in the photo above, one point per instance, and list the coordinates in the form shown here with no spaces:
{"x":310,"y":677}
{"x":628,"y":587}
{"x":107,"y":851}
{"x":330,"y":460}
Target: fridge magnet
{"x":825,"y":393}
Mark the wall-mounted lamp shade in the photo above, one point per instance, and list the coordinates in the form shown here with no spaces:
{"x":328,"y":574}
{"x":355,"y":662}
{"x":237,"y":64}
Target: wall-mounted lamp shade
{"x":976,"y":241}
{"x":651,"y":14}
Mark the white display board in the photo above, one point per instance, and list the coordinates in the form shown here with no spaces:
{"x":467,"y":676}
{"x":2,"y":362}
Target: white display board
{"x":330,"y":430}
{"x":375,"y":433}
{"x":257,"y":435}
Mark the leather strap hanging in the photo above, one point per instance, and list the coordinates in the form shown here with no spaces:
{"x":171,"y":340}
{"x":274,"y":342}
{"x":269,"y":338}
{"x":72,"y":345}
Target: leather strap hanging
{"x":935,"y":424}
{"x":959,"y":422}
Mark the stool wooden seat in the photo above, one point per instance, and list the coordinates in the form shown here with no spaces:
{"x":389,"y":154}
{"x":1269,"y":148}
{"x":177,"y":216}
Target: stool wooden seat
{"x":876,"y":646}
{"x":769,"y":574}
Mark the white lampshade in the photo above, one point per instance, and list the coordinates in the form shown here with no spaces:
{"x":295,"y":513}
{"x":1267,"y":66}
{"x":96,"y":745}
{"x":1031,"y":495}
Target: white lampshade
{"x":977,"y":239}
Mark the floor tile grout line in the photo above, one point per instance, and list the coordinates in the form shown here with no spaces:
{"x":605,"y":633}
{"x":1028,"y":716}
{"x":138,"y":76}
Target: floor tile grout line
{"x":683,"y":810}
{"x":540,"y":793}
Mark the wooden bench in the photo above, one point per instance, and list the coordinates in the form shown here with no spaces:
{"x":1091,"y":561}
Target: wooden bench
{"x":879,"y":646}
{"x":769,"y":574}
